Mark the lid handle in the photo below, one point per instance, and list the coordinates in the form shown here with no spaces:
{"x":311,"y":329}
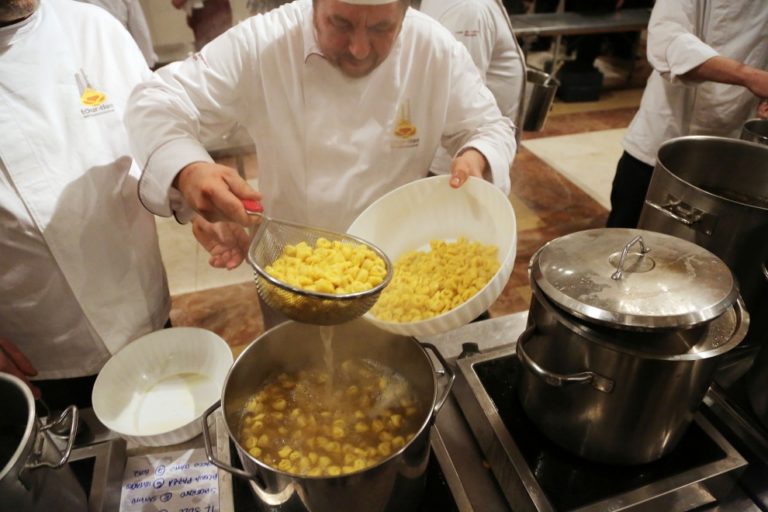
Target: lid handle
{"x":620,"y":268}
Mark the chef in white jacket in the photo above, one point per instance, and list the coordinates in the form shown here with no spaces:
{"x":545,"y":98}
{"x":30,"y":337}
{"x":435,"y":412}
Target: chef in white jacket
{"x":709,"y":61}
{"x":345,"y":101}
{"x":483,"y":27}
{"x":80,"y":267}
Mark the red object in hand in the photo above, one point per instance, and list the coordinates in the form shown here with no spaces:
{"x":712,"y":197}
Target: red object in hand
{"x":252,"y":205}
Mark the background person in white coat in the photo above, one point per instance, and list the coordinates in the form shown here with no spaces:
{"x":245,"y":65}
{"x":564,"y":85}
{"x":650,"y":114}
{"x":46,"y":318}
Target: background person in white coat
{"x":131,"y":15}
{"x":483,"y":27}
{"x":81,"y":273}
{"x":709,"y":73}
{"x":345,"y":101}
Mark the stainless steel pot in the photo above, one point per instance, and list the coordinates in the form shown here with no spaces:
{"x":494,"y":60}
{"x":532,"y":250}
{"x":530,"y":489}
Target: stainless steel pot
{"x":34,"y":474}
{"x":713,"y":191}
{"x":755,"y":130}
{"x":609,"y":375}
{"x":395,"y":484}
{"x":540,"y":92}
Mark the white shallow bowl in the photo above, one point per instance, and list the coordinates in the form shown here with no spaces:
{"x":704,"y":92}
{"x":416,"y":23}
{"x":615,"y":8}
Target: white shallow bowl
{"x":409,"y":217}
{"x":155,"y":390}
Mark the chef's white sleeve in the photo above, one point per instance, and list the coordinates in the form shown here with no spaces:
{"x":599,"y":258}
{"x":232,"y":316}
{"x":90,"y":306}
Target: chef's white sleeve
{"x":169,"y":117}
{"x":673,"y":46}
{"x":474,"y":120}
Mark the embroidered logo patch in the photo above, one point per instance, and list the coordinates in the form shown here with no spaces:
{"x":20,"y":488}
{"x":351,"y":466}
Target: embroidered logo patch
{"x":404,"y":131}
{"x":93,"y":101}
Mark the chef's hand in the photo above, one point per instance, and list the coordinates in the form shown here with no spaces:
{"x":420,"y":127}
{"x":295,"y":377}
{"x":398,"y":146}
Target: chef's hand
{"x":226,"y":242}
{"x":13,"y":361}
{"x":215,"y":192}
{"x":762,"y":109}
{"x":469,"y":162}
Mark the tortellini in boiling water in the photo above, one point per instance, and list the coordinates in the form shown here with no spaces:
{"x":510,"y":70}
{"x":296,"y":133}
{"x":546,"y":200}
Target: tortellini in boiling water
{"x":320,"y":423}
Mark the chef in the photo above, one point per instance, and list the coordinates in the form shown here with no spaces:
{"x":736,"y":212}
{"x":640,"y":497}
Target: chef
{"x":80,"y":267}
{"x":483,"y":27}
{"x":709,"y":74}
{"x":345,"y":101}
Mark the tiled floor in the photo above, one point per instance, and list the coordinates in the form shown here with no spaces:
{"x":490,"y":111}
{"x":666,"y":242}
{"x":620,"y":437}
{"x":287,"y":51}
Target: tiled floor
{"x":560,"y":184}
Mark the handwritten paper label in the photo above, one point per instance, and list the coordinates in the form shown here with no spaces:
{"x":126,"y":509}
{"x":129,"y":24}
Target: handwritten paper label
{"x":180,"y":481}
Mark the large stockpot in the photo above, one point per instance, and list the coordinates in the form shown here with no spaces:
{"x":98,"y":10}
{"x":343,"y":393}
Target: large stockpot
{"x":624,"y":333}
{"x":713,"y":191}
{"x":395,"y":484}
{"x":34,"y":475}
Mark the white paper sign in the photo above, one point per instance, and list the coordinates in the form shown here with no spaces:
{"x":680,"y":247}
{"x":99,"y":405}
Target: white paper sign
{"x":180,"y":481}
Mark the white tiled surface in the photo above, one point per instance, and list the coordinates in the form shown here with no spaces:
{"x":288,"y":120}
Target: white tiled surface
{"x":586,"y":159}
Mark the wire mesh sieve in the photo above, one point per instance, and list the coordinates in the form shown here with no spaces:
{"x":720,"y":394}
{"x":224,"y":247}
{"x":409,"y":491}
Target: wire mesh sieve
{"x":296,"y":303}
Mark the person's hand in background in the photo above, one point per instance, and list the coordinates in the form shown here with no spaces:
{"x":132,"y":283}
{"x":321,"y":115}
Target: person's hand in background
{"x":13,"y":361}
{"x":762,"y":109}
{"x":226,"y":242}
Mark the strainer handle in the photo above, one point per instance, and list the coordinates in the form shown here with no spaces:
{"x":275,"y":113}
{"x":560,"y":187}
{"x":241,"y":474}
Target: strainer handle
{"x":252,"y":206}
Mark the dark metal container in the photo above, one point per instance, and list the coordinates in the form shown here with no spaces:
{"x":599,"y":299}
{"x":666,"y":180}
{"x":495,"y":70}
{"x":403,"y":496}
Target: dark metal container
{"x":396,"y":484}
{"x":34,"y":475}
{"x":624,"y":334}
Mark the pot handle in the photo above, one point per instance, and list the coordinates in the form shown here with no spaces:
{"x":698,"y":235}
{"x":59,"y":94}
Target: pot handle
{"x":75,"y":418}
{"x":598,"y":382}
{"x":446,"y":371}
{"x":685,"y":214}
{"x":620,"y":267}
{"x":209,"y":449}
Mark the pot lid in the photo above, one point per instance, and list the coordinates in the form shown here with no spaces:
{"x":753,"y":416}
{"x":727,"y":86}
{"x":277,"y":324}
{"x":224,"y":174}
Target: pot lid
{"x":633,"y":278}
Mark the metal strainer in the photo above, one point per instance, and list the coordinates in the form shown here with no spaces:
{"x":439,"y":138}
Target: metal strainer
{"x":296,"y":303}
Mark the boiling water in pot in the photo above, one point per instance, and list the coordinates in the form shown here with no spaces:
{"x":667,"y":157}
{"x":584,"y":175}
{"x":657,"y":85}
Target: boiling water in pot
{"x":330,"y":419}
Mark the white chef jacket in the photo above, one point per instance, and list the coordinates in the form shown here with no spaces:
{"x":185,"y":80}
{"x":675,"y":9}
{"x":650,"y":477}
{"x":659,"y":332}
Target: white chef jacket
{"x":683,"y":35}
{"x":80,"y":267}
{"x":130,"y":14}
{"x":328,"y":145}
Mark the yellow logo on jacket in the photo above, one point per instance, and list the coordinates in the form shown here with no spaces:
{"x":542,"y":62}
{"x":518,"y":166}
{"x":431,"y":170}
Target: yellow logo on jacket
{"x":404,"y":130}
{"x":93,"y":100}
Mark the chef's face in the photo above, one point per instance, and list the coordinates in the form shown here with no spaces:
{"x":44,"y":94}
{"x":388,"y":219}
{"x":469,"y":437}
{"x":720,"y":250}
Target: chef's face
{"x":357,"y":38}
{"x":14,"y":10}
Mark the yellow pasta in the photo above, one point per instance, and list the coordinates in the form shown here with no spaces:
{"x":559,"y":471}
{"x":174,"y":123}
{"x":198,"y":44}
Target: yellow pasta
{"x":330,"y":424}
{"x":329,"y":267}
{"x":427,"y":284}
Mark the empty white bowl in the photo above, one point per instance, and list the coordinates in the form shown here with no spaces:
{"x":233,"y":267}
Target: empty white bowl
{"x":409,"y":217}
{"x":155,"y":390}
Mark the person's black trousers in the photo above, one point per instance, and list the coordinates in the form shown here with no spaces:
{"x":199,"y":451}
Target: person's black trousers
{"x":630,"y":185}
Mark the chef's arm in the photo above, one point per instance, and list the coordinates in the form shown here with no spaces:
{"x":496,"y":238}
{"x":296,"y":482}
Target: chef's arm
{"x":169,"y":117}
{"x":13,"y":361}
{"x":728,"y":71}
{"x":474,"y":122}
{"x":673,"y":47}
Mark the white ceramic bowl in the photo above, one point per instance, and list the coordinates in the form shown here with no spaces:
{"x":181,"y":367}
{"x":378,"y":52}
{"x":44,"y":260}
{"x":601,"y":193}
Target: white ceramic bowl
{"x":155,"y":389}
{"x":409,"y":217}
